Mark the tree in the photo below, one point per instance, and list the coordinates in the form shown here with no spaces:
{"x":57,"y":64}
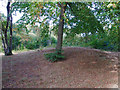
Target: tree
{"x":60,"y":28}
{"x":7,"y":25}
{"x":108,"y":15}
{"x":84,"y":19}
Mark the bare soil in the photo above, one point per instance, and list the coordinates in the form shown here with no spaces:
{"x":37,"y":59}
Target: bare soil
{"x":82,"y":68}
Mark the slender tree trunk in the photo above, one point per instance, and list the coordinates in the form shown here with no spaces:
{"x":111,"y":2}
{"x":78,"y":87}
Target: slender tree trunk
{"x":86,"y":37}
{"x":118,"y":41}
{"x":5,"y":32}
{"x":7,"y":46}
{"x":8,"y":18}
{"x":3,"y":42}
{"x":10,"y":44}
{"x":60,"y":28}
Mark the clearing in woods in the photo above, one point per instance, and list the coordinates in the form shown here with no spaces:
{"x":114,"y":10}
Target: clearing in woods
{"x":82,"y":68}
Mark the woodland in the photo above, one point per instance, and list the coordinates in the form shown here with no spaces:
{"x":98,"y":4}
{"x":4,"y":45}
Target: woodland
{"x":60,"y":44}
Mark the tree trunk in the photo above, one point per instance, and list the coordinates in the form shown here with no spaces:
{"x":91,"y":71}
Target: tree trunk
{"x":8,"y":19}
{"x":10,"y":44}
{"x":7,"y":47}
{"x":60,"y":28}
{"x":3,"y":42}
{"x":86,"y":37}
{"x":118,"y":41}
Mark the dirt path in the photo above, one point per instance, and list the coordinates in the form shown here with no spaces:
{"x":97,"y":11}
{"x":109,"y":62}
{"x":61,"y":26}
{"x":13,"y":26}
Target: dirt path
{"x":82,"y":68}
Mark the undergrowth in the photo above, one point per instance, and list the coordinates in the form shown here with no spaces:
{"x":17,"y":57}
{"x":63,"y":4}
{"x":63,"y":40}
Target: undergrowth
{"x":56,"y":56}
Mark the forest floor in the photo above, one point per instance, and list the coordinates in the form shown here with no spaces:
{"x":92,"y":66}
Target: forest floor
{"x":82,"y":68}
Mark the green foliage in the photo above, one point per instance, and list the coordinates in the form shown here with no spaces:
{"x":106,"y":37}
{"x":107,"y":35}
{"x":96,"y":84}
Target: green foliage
{"x":98,"y":41}
{"x":47,"y":41}
{"x":1,"y":48}
{"x":83,"y":21}
{"x":93,"y":21}
{"x":32,"y":44}
{"x":53,"y":40}
{"x":16,"y":42}
{"x":53,"y":57}
{"x":102,"y":44}
{"x":44,"y":42}
{"x":78,"y":16}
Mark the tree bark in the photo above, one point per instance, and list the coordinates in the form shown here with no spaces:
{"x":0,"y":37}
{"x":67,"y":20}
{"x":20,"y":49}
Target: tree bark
{"x":3,"y":42}
{"x":7,"y":46}
{"x":86,"y":37}
{"x":118,"y":41}
{"x":10,"y":44}
{"x":60,"y":28}
{"x":8,"y":18}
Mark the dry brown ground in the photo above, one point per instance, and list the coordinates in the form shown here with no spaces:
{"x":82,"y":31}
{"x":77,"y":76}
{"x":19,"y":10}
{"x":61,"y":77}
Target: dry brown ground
{"x":82,"y":68}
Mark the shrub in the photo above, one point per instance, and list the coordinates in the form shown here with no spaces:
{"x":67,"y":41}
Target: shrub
{"x":1,"y":48}
{"x":48,"y":41}
{"x":15,"y":42}
{"x":53,"y":40}
{"x":44,"y":42}
{"x":102,"y":44}
{"x":53,"y":57}
{"x":34,"y":44}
